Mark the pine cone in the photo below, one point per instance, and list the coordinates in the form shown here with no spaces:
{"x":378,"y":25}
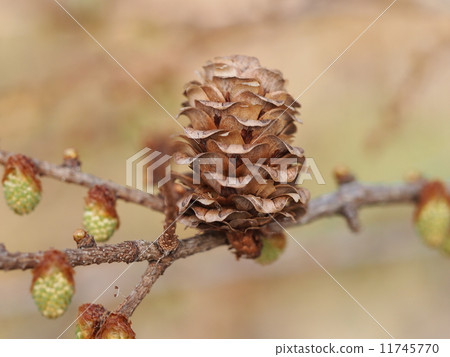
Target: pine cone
{"x":242,"y":117}
{"x":100,"y":216}
{"x":52,"y":287}
{"x":22,"y":187}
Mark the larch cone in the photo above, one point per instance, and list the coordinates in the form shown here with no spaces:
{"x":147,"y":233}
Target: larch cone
{"x":238,"y":145}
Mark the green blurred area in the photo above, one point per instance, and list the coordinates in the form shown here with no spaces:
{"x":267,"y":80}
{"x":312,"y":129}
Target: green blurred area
{"x":382,"y":109}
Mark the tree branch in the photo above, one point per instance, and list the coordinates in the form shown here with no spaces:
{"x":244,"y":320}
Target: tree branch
{"x":154,"y":270}
{"x":168,"y":241}
{"x":73,"y":175}
{"x":345,"y":201}
{"x":124,"y":252}
{"x":354,"y":193}
{"x":359,"y":195}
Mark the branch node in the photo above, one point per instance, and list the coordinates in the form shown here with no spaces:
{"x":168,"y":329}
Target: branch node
{"x":136,"y":252}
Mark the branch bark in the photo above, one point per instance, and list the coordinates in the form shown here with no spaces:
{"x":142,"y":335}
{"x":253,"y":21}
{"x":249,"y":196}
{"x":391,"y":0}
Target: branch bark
{"x":154,"y":270}
{"x":360,"y":195}
{"x":356,"y":194}
{"x":124,"y":252}
{"x":169,"y":240}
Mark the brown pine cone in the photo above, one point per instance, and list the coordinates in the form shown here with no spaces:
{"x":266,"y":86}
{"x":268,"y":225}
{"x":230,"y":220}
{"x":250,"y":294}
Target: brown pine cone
{"x":242,"y":118}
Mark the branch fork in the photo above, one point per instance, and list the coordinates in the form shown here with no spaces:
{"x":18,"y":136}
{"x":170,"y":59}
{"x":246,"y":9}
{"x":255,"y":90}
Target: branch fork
{"x":350,"y":197}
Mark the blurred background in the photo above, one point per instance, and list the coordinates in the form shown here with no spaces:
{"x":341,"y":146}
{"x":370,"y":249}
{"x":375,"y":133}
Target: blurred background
{"x":383,"y":108}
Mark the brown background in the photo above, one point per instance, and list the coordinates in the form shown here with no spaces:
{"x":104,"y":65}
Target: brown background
{"x":382,"y":109}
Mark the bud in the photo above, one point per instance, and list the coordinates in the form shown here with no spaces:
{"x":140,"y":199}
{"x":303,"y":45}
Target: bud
{"x":100,"y":217}
{"x":89,"y":320}
{"x":52,"y":287}
{"x":343,"y":175}
{"x":70,"y":154}
{"x":71,"y":159}
{"x":116,"y":326}
{"x":22,"y":187}
{"x":79,"y":235}
{"x":272,"y":247}
{"x":432,"y":216}
{"x":413,"y":176}
{"x":83,"y":239}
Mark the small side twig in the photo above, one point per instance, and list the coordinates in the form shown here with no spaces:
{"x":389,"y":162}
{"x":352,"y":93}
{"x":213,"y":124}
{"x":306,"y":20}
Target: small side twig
{"x":169,"y":240}
{"x":154,"y":270}
{"x":349,"y":211}
{"x":351,"y":216}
